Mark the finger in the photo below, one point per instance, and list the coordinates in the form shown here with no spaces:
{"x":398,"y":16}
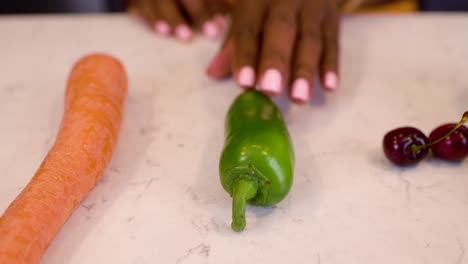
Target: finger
{"x":307,"y":55}
{"x":221,"y":65}
{"x":221,"y":7}
{"x":247,"y":22}
{"x":212,"y":29}
{"x":170,"y":14}
{"x":161,"y":26}
{"x":220,"y":20}
{"x":277,"y":46}
{"x":133,"y":8}
{"x":201,"y":16}
{"x":144,"y":10}
{"x":329,"y":60}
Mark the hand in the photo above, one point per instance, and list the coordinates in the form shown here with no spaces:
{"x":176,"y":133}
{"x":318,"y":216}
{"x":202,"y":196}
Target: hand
{"x":278,"y":43}
{"x":180,"y":18}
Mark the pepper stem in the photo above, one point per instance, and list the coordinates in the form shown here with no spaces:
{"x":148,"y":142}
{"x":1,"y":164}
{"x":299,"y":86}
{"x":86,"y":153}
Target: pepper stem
{"x":243,"y":190}
{"x":463,"y":120}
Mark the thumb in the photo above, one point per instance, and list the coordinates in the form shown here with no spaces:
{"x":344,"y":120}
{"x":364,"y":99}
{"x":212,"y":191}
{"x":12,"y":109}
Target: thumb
{"x":221,"y":65}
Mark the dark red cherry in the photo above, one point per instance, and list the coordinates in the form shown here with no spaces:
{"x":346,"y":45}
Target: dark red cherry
{"x":405,"y":146}
{"x":453,"y":147}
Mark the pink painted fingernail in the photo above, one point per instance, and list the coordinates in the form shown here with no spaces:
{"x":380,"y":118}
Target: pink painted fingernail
{"x":271,"y":81}
{"x":210,"y":29}
{"x":300,"y":90}
{"x":246,"y":76}
{"x":162,"y":27}
{"x":183,"y":32}
{"x":331,"y":80}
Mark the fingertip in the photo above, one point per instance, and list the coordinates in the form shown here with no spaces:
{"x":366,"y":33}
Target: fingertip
{"x":183,"y":32}
{"x":330,"y":81}
{"x":210,"y":30}
{"x":220,"y":20}
{"x":217,"y":74}
{"x":246,"y":76}
{"x":212,"y":69}
{"x":162,"y":27}
{"x":219,"y":66}
{"x":298,"y":102}
{"x":211,"y":72}
{"x":300,"y":91}
{"x":271,"y":82}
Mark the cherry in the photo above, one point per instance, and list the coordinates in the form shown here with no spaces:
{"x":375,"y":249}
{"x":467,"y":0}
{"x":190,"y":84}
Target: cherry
{"x":405,"y":146}
{"x":453,"y":147}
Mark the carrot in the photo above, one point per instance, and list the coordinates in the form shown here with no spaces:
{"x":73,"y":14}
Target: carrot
{"x":83,"y":147}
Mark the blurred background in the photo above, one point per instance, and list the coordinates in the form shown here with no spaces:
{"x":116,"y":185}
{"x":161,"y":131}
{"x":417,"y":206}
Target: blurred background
{"x":60,"y":6}
{"x":99,"y":6}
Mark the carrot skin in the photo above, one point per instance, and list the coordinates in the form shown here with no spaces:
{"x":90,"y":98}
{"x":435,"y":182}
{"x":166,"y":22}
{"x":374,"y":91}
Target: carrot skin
{"x":83,"y":147}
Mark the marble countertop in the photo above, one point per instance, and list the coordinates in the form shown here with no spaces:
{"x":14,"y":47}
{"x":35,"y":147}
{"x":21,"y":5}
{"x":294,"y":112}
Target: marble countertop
{"x":161,"y":201}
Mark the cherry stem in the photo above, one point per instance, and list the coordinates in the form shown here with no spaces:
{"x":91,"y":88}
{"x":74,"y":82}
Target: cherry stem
{"x":463,"y":120}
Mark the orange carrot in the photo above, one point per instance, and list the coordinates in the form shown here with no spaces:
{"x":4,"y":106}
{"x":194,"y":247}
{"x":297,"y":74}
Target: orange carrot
{"x":83,"y":147}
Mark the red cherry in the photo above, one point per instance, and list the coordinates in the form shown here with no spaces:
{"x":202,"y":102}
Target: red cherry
{"x":405,"y":146}
{"x":453,"y":147}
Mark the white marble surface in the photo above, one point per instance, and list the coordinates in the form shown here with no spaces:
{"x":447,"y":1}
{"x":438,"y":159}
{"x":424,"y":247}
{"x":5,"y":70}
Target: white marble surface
{"x":161,"y":201}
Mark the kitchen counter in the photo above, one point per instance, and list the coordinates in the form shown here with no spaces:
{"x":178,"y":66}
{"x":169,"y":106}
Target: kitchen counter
{"x":160,"y":201}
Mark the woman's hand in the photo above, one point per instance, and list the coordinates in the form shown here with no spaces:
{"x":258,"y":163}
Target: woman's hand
{"x":276,"y":43}
{"x":179,"y":18}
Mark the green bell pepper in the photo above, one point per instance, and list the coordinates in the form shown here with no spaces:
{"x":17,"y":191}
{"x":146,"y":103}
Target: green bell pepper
{"x":257,"y":161}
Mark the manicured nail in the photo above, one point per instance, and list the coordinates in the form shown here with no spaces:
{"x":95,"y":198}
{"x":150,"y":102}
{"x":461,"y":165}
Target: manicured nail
{"x":162,"y":28}
{"x":210,"y":29}
{"x":183,"y":32}
{"x":271,"y":81}
{"x":246,"y":76}
{"x":300,"y":90}
{"x":331,"y":80}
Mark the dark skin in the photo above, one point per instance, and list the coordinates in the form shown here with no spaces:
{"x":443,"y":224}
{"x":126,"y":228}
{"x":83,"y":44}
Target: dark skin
{"x":179,"y":18}
{"x":271,"y":44}
{"x":275,"y":44}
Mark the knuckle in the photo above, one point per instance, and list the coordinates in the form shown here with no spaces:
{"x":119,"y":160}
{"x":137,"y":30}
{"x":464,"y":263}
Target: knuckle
{"x":246,"y":53}
{"x":244,"y":31}
{"x":305,"y":69}
{"x":283,"y":19}
{"x":274,"y":55}
{"x":310,"y":34}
